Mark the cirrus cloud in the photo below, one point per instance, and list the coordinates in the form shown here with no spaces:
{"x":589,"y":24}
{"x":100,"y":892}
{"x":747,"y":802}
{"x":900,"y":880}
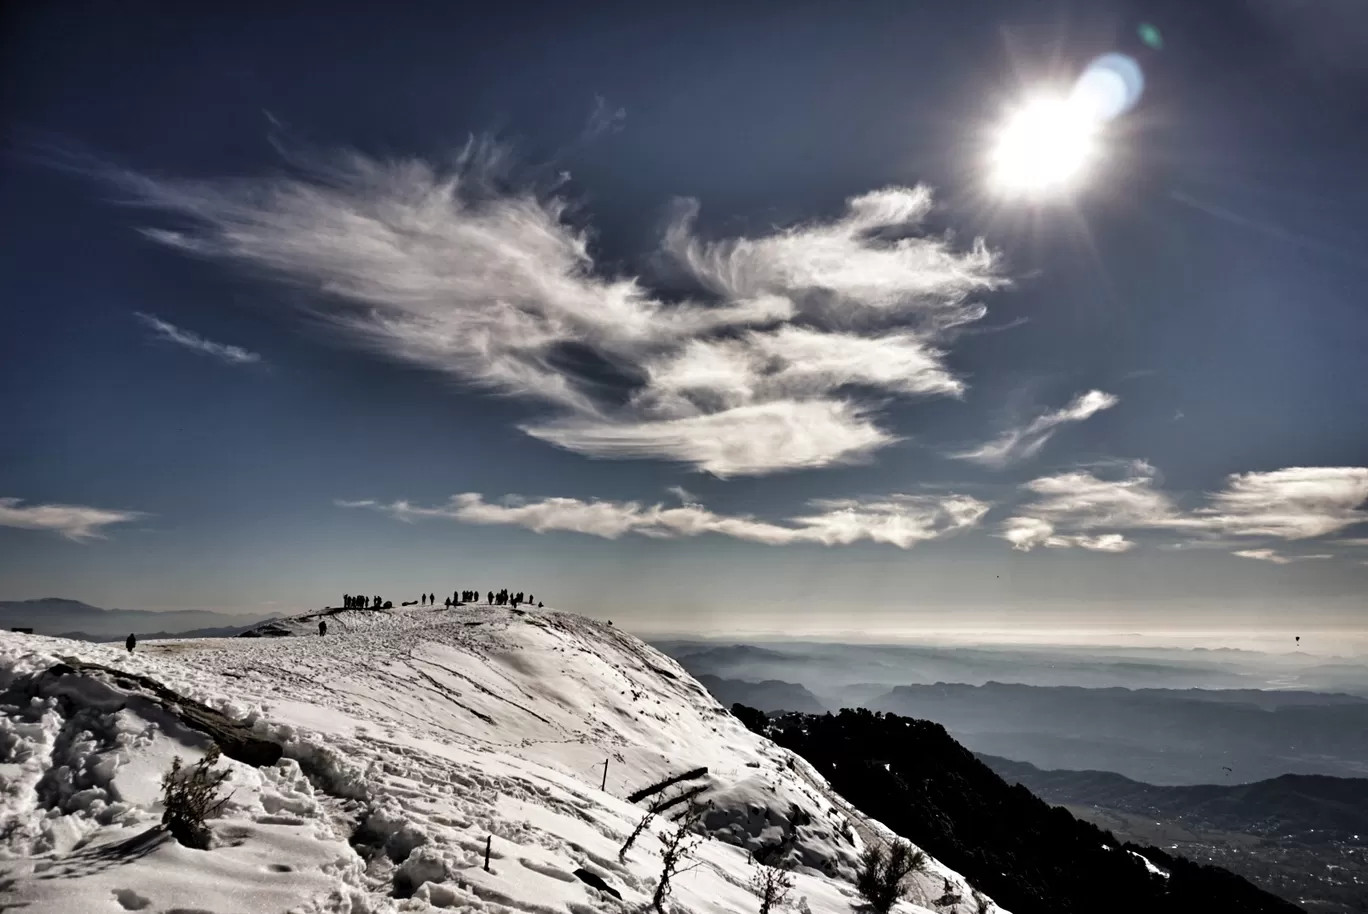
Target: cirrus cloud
{"x":456,"y":270}
{"x":896,"y":520}
{"x":748,"y":439}
{"x":1296,"y":503}
{"x":165,"y":330}
{"x":1020,"y":443}
{"x":75,"y":522}
{"x":1277,"y":558}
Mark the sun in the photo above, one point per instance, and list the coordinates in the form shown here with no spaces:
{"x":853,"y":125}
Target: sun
{"x":1045,"y":146}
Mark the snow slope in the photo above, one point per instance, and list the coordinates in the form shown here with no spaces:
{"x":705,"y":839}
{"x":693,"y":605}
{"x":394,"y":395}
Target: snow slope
{"x":409,"y":738}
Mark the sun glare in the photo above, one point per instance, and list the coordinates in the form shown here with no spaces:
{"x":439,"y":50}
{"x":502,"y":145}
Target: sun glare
{"x":1045,"y":146}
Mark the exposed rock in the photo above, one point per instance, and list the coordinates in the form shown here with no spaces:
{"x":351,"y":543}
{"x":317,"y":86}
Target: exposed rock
{"x":235,"y":740}
{"x":596,"y":881}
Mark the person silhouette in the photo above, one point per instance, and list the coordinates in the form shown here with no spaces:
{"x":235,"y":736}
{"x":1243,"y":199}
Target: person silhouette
{"x":131,"y":643}
{"x":322,"y":628}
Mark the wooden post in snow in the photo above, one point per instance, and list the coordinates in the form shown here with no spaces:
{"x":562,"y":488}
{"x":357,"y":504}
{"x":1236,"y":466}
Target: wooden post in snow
{"x":489,"y":839}
{"x":604,"y":786}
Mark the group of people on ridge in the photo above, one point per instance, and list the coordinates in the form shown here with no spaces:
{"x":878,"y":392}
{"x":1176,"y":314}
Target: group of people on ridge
{"x":502,"y":598}
{"x":350,"y":601}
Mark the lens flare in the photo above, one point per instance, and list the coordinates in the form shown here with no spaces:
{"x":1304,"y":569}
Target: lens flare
{"x":1110,"y":86}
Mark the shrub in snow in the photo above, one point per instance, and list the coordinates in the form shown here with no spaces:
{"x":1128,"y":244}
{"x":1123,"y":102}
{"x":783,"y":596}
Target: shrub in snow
{"x":641,"y":826}
{"x":192,"y":796}
{"x":882,"y":873}
{"x":773,"y":885}
{"x":678,"y":846}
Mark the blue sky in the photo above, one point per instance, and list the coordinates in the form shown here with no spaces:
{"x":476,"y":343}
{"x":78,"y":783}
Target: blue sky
{"x":700,"y":319}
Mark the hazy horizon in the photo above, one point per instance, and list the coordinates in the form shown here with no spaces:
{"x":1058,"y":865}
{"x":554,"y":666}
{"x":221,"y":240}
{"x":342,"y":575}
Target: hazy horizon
{"x":926,"y":628}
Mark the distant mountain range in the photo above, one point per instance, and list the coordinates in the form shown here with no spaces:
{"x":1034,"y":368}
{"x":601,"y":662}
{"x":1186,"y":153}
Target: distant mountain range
{"x":1299,"y":807}
{"x":770,"y":695}
{"x":77,"y":620}
{"x":1160,"y":736}
{"x":1303,"y":837}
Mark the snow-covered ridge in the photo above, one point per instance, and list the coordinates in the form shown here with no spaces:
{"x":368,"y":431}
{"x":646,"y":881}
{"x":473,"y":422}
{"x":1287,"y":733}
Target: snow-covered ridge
{"x":409,"y":738}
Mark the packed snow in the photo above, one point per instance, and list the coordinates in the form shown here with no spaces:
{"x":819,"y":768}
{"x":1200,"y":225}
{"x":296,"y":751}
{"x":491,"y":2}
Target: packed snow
{"x":412,"y":739}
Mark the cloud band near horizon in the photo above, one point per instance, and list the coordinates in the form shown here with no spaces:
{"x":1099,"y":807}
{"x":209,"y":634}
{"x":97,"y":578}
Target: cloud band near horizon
{"x":897,"y":520}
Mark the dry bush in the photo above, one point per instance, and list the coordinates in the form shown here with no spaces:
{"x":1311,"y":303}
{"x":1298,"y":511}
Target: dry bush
{"x":641,"y":826}
{"x":773,"y":885}
{"x":678,"y":846}
{"x":882,"y":875}
{"x":191,"y":796}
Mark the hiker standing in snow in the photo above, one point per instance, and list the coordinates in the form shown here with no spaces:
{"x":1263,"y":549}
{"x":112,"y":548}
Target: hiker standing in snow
{"x":322,"y":628}
{"x":132,"y":640}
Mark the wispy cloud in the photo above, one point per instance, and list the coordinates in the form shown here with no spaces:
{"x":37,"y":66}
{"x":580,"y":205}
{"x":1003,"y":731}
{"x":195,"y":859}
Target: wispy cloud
{"x":1352,"y":541}
{"x":863,"y":267}
{"x":170,"y":332}
{"x":451,"y":270}
{"x":75,"y":522}
{"x":1296,"y":503}
{"x":684,"y":495}
{"x":1026,"y":533}
{"x":358,"y":503}
{"x":1027,"y":440}
{"x":1262,"y":555}
{"x":604,"y":118}
{"x":1277,"y":558}
{"x":897,"y":520}
{"x":744,"y":440}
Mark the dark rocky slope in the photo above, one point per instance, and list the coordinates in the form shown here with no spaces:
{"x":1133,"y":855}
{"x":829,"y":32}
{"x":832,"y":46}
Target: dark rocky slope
{"x":1028,"y":856}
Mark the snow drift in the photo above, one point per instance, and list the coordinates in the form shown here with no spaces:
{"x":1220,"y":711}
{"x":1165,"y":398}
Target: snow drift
{"x":408,"y":740}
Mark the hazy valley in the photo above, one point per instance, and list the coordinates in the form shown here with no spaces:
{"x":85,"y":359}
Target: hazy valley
{"x":1235,"y":767}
